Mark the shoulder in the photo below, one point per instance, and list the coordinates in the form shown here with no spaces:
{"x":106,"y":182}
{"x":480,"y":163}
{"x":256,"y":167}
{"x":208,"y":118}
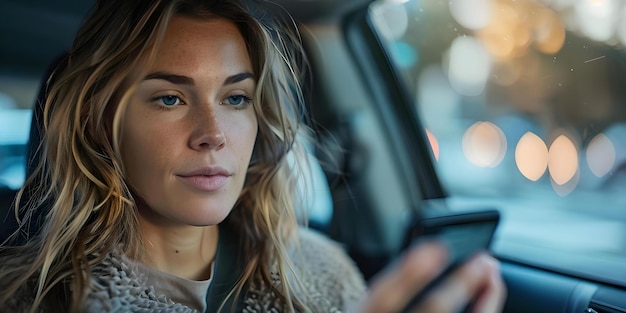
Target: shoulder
{"x":317,"y":249}
{"x":326,"y":269}
{"x":116,"y":287}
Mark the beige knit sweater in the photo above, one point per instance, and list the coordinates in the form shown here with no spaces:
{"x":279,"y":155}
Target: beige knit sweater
{"x":331,"y":280}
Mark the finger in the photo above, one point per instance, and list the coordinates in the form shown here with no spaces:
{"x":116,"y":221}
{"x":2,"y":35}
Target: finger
{"x":473,"y":279}
{"x":491,"y":299}
{"x":396,"y":286}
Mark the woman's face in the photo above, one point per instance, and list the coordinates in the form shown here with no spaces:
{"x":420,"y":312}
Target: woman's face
{"x":189,"y":130}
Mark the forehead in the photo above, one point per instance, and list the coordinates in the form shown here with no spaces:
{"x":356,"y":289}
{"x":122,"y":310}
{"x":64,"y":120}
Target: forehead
{"x":192,"y":43}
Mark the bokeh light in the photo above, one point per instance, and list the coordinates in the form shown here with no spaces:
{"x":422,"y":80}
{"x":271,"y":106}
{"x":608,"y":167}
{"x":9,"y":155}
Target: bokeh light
{"x":562,"y":160}
{"x":484,"y":144}
{"x":531,"y":156}
{"x":621,"y":27}
{"x":600,"y":155}
{"x":560,"y":4}
{"x":549,"y":31}
{"x":506,"y":33}
{"x":597,"y":18}
{"x":471,"y":14}
{"x":469,"y":66}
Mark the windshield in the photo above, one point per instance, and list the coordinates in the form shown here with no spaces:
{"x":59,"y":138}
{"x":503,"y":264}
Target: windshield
{"x":523,"y":104}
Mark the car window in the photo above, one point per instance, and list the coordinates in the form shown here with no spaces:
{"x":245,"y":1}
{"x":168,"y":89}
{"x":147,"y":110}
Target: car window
{"x":17,"y":96}
{"x":523,"y":105}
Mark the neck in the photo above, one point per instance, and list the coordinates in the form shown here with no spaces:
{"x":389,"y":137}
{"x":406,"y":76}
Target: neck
{"x":182,"y":250}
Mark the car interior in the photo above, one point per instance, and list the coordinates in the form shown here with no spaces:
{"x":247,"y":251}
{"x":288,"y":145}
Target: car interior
{"x":424,"y":108}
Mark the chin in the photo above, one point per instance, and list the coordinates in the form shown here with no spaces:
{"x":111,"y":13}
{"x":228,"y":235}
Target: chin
{"x":205,"y":216}
{"x":206,"y":221}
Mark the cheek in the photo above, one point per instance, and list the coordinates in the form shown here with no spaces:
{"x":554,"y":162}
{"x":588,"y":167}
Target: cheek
{"x":240,"y":128}
{"x":134,"y":147}
{"x":249,"y":135}
{"x":142,"y":149}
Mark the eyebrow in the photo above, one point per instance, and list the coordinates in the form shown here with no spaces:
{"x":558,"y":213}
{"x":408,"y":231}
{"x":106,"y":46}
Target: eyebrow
{"x":172,"y":78}
{"x":237,"y":78}
{"x":186,"y":80}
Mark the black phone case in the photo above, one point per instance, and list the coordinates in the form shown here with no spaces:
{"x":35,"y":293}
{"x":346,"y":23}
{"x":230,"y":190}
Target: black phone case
{"x":484,"y":224}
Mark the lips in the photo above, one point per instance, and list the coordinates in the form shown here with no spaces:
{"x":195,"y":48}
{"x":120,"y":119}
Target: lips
{"x":206,"y":178}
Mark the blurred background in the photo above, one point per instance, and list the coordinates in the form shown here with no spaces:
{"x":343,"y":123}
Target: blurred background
{"x":524,"y":106}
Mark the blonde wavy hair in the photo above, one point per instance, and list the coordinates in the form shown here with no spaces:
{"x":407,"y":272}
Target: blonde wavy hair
{"x":80,"y":175}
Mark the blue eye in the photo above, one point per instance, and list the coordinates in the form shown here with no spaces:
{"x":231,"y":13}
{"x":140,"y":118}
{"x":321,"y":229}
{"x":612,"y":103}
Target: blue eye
{"x":237,"y":100}
{"x":170,"y":100}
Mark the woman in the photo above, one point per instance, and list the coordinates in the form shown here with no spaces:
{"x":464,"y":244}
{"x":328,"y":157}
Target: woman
{"x":164,"y":167}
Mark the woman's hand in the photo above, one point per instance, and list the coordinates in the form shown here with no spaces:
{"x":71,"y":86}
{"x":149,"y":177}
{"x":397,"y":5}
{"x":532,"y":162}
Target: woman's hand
{"x":478,"y":281}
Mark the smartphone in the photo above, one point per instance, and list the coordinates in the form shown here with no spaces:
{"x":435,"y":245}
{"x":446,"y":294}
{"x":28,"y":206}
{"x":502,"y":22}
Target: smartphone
{"x":464,"y":234}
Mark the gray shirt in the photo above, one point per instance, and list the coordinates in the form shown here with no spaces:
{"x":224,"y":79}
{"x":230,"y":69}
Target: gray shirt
{"x":191,"y":293}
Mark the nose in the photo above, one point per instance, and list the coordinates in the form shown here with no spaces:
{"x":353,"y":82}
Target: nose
{"x":207,"y":133}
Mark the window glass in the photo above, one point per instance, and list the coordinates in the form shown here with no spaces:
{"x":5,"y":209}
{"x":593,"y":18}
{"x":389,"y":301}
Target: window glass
{"x":524,"y":106}
{"x":16,"y":100}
